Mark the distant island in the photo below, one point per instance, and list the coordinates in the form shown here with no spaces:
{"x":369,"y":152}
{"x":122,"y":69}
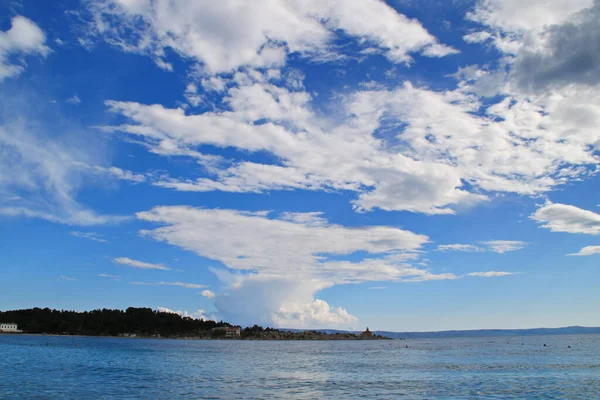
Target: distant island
{"x":149,"y":323}
{"x":482,"y":333}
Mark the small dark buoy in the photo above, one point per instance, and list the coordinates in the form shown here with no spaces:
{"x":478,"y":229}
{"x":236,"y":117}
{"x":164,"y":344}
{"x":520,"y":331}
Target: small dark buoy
{"x":569,"y":347}
{"x":407,"y":346}
{"x":544,"y":344}
{"x":522,"y":344}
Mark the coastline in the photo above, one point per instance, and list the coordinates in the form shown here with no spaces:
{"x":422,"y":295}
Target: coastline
{"x":192,"y":338}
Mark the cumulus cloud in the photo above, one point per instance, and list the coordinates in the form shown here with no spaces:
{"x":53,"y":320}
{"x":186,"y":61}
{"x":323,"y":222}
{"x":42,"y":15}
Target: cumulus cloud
{"x":516,"y":16}
{"x":23,"y":38}
{"x":547,"y":76}
{"x":208,"y":294}
{"x":510,"y":23}
{"x":404,"y":149}
{"x":278,"y":287}
{"x":96,"y":237}
{"x":279,"y":301}
{"x":587,"y":251}
{"x":567,"y":218}
{"x":179,"y":284}
{"x":198,"y":314}
{"x":491,"y":274}
{"x":313,"y":314}
{"x":223,"y":37}
{"x":568,"y":54}
{"x":138,"y":264}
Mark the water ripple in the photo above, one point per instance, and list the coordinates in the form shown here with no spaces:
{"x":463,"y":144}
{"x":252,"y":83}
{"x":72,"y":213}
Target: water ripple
{"x":40,"y":367}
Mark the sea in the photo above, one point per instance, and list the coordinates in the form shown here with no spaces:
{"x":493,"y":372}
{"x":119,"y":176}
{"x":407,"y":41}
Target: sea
{"x":539,"y":367}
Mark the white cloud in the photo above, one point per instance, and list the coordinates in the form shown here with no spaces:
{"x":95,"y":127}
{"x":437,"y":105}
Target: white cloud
{"x":565,"y":54}
{"x":491,"y":274}
{"x":278,"y":287}
{"x":513,"y":22}
{"x":96,"y":237}
{"x":74,"y":100}
{"x":567,"y":218}
{"x":459,"y":247}
{"x":179,"y":284}
{"x":214,"y":84}
{"x":23,"y":38}
{"x":138,"y":264}
{"x":279,"y":301}
{"x":66,"y":278}
{"x":504,"y":246}
{"x":547,"y":76}
{"x":314,"y":314}
{"x":344,"y":158}
{"x":497,"y":246}
{"x":252,"y":236}
{"x":47,"y":170}
{"x":198,"y":314}
{"x":223,"y":37}
{"x":46,"y":173}
{"x":114,"y":277}
{"x":208,"y":294}
{"x":404,"y":149}
{"x":587,"y":251}
{"x":115,"y":172}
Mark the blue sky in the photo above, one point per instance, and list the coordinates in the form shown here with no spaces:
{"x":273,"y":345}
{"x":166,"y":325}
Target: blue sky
{"x":410,"y":165}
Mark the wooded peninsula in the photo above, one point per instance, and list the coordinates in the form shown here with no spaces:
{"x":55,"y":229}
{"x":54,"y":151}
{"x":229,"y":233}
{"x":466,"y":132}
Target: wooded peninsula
{"x":149,"y":323}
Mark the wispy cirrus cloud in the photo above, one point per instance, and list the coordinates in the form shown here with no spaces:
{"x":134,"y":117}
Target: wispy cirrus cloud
{"x":496,"y":246}
{"x":504,"y":246}
{"x":138,"y":264}
{"x":179,"y":284}
{"x":114,"y":277}
{"x":96,"y":237}
{"x":459,"y":247}
{"x":491,"y":274}
{"x":74,"y":100}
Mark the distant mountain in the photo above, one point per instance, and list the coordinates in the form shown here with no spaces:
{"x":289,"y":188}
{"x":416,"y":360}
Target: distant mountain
{"x":569,"y":330}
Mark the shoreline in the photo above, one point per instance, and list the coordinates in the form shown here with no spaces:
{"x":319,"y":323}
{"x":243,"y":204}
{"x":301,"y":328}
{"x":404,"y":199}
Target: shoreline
{"x":197,"y":338}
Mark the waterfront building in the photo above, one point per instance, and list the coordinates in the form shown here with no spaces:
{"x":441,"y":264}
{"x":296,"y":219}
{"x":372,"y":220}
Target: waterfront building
{"x":9,"y":327}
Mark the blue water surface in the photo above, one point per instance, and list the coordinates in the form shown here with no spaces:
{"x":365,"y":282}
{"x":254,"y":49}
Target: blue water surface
{"x":49,"y":367}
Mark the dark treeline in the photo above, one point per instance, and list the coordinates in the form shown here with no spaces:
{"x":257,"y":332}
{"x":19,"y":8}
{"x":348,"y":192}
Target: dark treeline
{"x":107,"y":322}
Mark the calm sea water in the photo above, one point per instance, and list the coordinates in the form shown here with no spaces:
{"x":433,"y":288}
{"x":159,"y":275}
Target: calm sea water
{"x":94,"y":368}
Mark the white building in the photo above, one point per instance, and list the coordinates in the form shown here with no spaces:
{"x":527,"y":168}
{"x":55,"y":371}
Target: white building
{"x":233,"y":332}
{"x":10,"y":327}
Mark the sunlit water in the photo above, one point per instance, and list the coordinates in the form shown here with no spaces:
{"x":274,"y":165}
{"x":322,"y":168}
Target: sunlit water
{"x":47,"y":367}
